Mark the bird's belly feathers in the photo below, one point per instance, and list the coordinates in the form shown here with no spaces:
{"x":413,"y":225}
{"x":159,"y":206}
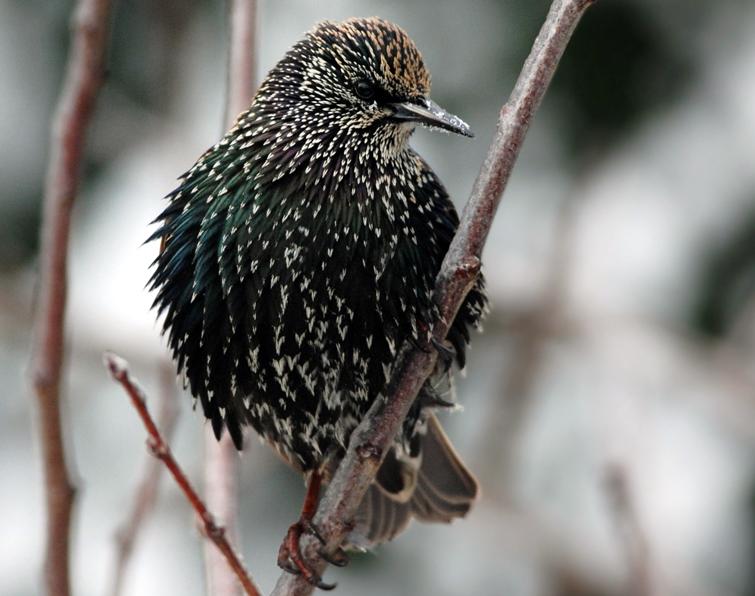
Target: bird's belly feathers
{"x":324,"y":349}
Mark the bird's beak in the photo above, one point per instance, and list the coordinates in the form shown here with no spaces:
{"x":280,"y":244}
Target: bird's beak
{"x":429,"y":113}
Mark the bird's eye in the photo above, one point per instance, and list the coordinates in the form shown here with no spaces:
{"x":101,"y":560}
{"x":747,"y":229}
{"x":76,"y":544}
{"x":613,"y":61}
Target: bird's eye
{"x":364,"y":89}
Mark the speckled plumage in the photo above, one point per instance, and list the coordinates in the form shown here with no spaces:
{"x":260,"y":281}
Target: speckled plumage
{"x":300,"y":252}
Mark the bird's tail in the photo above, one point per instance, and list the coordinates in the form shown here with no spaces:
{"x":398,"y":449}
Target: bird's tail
{"x":440,"y":489}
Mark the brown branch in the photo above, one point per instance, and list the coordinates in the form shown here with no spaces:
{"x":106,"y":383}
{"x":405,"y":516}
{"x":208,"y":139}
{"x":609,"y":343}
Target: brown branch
{"x":82,"y":81}
{"x":242,"y":58}
{"x":458,"y":273}
{"x":118,"y":368}
{"x":146,"y":492}
{"x":221,"y":458}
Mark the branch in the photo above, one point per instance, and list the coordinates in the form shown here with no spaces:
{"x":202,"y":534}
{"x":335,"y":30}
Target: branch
{"x":221,"y":493}
{"x":82,"y":81}
{"x":146,"y":492}
{"x":118,"y":368}
{"x":458,"y":274}
{"x":221,"y":458}
{"x":242,"y":58}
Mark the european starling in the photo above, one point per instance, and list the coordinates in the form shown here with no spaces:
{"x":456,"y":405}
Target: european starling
{"x":298,"y":263}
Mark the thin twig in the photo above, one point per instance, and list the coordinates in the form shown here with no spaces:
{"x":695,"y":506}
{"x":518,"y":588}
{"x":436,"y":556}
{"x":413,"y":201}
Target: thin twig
{"x":82,"y":81}
{"x":221,"y":458}
{"x":630,"y":532}
{"x":458,"y":273}
{"x":118,"y":368}
{"x":146,"y":492}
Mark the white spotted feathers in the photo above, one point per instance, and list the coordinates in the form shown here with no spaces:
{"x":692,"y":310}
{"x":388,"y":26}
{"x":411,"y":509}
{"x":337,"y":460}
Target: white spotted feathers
{"x":300,"y":252}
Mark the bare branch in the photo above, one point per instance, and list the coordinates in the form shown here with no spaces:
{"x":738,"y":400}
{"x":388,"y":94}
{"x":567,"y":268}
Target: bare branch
{"x":146,"y":492}
{"x":221,"y":458}
{"x":459,"y":271}
{"x":221,"y":472}
{"x":118,"y":368}
{"x":82,"y":81}
{"x":242,"y":58}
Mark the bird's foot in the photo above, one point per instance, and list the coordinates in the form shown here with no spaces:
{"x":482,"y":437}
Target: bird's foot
{"x":290,"y":557}
{"x":446,"y":353}
{"x":435,"y":401}
{"x":339,"y":558}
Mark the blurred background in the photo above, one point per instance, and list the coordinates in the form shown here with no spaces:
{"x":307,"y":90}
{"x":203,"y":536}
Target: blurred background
{"x":610,"y":402}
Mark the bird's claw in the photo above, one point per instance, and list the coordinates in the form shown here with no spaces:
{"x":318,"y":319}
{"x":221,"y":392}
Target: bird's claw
{"x":318,"y":583}
{"x":339,"y":558}
{"x":288,"y":566}
{"x":446,"y":353}
{"x":438,"y":402}
{"x":290,"y":557}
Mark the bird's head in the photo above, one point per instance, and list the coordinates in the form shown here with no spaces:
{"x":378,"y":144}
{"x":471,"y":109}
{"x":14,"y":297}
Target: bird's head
{"x":364,"y":76}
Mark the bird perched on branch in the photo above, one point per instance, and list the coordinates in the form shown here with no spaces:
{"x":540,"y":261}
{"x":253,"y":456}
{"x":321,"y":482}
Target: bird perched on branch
{"x":298,"y":264}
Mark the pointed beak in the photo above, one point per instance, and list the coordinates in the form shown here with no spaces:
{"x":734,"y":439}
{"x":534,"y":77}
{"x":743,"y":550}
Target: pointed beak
{"x":428,"y":113}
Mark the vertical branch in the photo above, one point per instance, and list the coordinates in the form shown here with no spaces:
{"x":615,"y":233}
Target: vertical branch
{"x":242,"y":58}
{"x":458,"y":273}
{"x":82,"y":81}
{"x":221,"y":459}
{"x":221,"y":494}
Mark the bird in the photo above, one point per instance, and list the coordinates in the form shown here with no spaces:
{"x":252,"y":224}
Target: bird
{"x":297,"y":266}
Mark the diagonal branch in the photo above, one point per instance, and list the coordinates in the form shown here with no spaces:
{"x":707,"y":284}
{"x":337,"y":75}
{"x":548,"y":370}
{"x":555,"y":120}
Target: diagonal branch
{"x":82,"y":81}
{"x":221,"y":457}
{"x":458,"y":274}
{"x":118,"y":368}
{"x":146,"y":493}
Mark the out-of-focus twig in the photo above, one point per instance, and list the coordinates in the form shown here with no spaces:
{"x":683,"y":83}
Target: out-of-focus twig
{"x":458,"y":273}
{"x":221,"y":493}
{"x":542,"y":321}
{"x":221,"y":458}
{"x":82,"y":81}
{"x":146,"y":492}
{"x":630,"y":532}
{"x":118,"y":368}
{"x":242,"y":58}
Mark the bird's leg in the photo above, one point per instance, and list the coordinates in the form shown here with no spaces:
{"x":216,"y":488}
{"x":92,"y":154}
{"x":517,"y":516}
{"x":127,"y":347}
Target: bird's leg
{"x":290,"y":557}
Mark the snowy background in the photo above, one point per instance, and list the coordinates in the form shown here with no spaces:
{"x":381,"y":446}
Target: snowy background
{"x":621,"y":268}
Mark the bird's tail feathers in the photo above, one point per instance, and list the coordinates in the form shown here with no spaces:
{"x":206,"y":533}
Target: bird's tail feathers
{"x":439,"y":489}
